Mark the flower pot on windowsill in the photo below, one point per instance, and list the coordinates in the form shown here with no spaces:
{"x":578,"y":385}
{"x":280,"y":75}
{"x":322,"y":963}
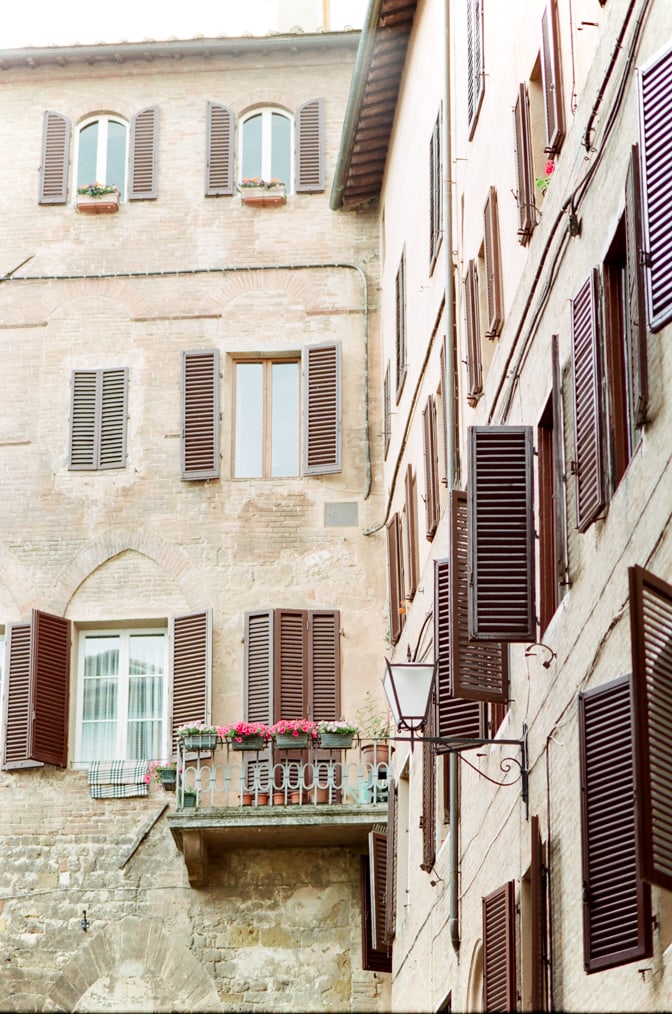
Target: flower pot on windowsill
{"x":261,"y":197}
{"x":168,"y":778}
{"x":200,"y":741}
{"x":248,"y":743}
{"x":289,"y":741}
{"x":105,"y":204}
{"x":336,"y":740}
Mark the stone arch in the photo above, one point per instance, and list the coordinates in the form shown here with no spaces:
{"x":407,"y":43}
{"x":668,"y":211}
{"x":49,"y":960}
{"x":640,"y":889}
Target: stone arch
{"x":133,"y":964}
{"x":121,"y":290}
{"x":295,"y":284}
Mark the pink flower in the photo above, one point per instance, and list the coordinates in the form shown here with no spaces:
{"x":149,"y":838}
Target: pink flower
{"x":549,"y":167}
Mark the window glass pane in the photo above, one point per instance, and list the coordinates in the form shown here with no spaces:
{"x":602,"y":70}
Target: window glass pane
{"x":280,"y":148}
{"x":285,"y":419}
{"x":249,"y":420}
{"x":145,"y":696}
{"x":99,"y":719}
{"x":251,"y":161}
{"x":87,"y":154}
{"x":116,"y":155}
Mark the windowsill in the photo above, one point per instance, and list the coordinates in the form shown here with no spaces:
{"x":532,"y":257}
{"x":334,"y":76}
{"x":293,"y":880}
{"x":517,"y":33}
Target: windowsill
{"x":107,"y":204}
{"x":260,"y":197}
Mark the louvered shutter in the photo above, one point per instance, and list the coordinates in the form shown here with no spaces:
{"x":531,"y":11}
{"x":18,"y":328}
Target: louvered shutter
{"x":324,"y":665}
{"x":551,"y":78}
{"x":98,"y":419}
{"x":372,"y":960}
{"x":501,"y":534}
{"x":259,"y":654}
{"x":499,"y":950}
{"x":523,"y":162}
{"x":83,"y":416}
{"x":655,"y":121}
{"x":387,"y":411}
{"x":200,"y":415}
{"x":411,"y":531}
{"x":636,"y":315}
{"x":310,"y":147}
{"x":538,"y":934}
{"x":378,"y":867}
{"x":394,"y":578}
{"x":431,"y":456}
{"x":435,"y":193}
{"x":589,"y":440}
{"x":220,"y":129}
{"x":16,"y":748}
{"x":49,"y":688}
{"x":428,"y":798}
{"x":473,"y":329}
{"x":291,"y":663}
{"x":400,"y":324}
{"x":113,"y":411}
{"x":479,"y":669}
{"x":493,"y":265}
{"x":392,"y":839}
{"x":559,"y":466}
{"x":651,"y":640}
{"x":192,"y":670}
{"x":454,"y":717}
{"x":474,"y":62}
{"x":322,"y":409}
{"x":142,"y":155}
{"x":616,"y":902}
{"x":56,"y":132}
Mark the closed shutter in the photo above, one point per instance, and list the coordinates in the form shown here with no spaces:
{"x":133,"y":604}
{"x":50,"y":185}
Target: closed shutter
{"x":551,"y":77}
{"x":49,"y":688}
{"x":322,"y":409}
{"x":113,"y":411}
{"x":588,"y":413}
{"x":98,"y":419}
{"x":454,"y":717}
{"x":656,"y":142}
{"x":142,"y":155}
{"x":192,"y":670}
{"x":324,"y":665}
{"x":493,"y":266}
{"x":431,"y":455}
{"x":616,"y":902}
{"x":200,"y":415}
{"x":539,"y":933}
{"x":475,"y":78}
{"x":16,"y":751}
{"x":636,"y":314}
{"x":259,"y":653}
{"x":310,"y":147}
{"x":501,"y":534}
{"x":394,"y":578}
{"x":83,"y":416}
{"x":392,"y":839}
{"x":291,"y":663}
{"x":499,"y":950}
{"x":523,"y":163}
{"x":378,"y":867}
{"x":411,"y":531}
{"x":651,"y":639}
{"x":428,"y":798}
{"x":219,"y":150}
{"x":373,"y":960}
{"x":472,"y":319}
{"x":55,"y":157}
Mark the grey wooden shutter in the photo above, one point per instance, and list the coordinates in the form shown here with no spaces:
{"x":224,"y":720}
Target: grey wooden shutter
{"x":655,"y":97}
{"x":379,"y":874}
{"x":636,"y":315}
{"x":394,"y":578}
{"x":616,"y":902}
{"x":49,"y":688}
{"x":551,"y":78}
{"x":501,"y":534}
{"x":56,"y":132}
{"x":220,"y":131}
{"x":392,"y":839}
{"x":431,"y":456}
{"x":192,"y":670}
{"x":454,"y":717}
{"x":324,"y":665}
{"x":651,"y":640}
{"x":475,"y":79}
{"x":499,"y":950}
{"x":84,"y":437}
{"x":200,"y":415}
{"x":428,"y":798}
{"x":310,"y":147}
{"x":589,"y":440}
{"x":493,"y":266}
{"x":523,"y":163}
{"x":142,"y":155}
{"x":322,"y":409}
{"x":16,"y":748}
{"x":113,"y":411}
{"x":472,"y":319}
{"x":538,"y":921}
{"x":98,"y":419}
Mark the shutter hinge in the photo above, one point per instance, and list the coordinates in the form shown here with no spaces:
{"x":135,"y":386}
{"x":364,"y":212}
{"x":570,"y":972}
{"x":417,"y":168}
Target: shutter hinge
{"x":421,"y":822}
{"x":644,"y":259}
{"x":574,"y":467}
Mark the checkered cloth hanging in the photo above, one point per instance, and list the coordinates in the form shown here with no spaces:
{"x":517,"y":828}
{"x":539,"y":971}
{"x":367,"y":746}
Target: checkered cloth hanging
{"x":118,"y":779}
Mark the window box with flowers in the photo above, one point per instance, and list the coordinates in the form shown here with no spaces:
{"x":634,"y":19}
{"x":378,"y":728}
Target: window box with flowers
{"x":294,"y":734}
{"x":199,"y":736}
{"x":258,"y":193}
{"x":336,"y":735}
{"x":247,"y":735}
{"x":97,"y":199}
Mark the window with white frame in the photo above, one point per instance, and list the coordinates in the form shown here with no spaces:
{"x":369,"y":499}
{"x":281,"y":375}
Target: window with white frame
{"x":267,"y":145}
{"x":101,"y":152}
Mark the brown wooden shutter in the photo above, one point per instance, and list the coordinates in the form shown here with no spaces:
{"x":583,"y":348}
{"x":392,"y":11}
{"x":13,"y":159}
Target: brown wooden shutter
{"x":322,"y":409}
{"x":588,"y":412}
{"x":83,"y":416}
{"x":324,"y":665}
{"x":373,"y":960}
{"x":113,"y":411}
{"x":379,"y":872}
{"x":142,"y":155}
{"x":524,"y":172}
{"x":636,"y":314}
{"x":192,"y":670}
{"x":200,"y":415}
{"x":655,"y":82}
{"x":499,"y":950}
{"x":220,"y":132}
{"x":392,"y":840}
{"x":56,"y":132}
{"x":562,"y":568}
{"x":49,"y":688}
{"x":551,"y":77}
{"x":454,"y":717}
{"x":291,"y":663}
{"x":501,"y":534}
{"x":16,"y":748}
{"x":310,"y":147}
{"x":387,"y":411}
{"x":538,"y":922}
{"x":394,"y":578}
{"x":400,"y":324}
{"x":651,"y":640}
{"x":475,"y":79}
{"x":98,"y":419}
{"x":493,"y":266}
{"x":616,"y":902}
{"x":411,"y":531}
{"x":259,"y":654}
{"x":472,"y":318}
{"x":431,"y":456}
{"x":428,"y":798}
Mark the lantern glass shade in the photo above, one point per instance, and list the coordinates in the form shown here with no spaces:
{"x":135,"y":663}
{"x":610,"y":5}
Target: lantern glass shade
{"x":408,"y":686}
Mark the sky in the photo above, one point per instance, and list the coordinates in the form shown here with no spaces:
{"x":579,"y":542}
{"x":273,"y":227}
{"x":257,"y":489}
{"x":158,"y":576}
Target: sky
{"x":46,"y":23}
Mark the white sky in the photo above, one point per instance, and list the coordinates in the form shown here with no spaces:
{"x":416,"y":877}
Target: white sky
{"x":47,"y":22}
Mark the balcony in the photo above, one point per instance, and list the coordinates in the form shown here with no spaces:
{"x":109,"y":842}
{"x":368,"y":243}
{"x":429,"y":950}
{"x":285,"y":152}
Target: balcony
{"x":228,"y":800}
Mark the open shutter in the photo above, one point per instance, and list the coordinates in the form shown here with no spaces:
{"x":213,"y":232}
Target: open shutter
{"x":373,"y":960}
{"x":394,"y":578}
{"x":454,"y":717}
{"x":551,"y":77}
{"x":501,"y":534}
{"x":16,"y":751}
{"x":560,"y":512}
{"x":49,"y":688}
{"x":310,"y":147}
{"x":636,"y":314}
{"x":475,"y":78}
{"x":291,"y":663}
{"x":322,"y":409}
{"x":588,"y":413}
{"x":379,"y":872}
{"x":220,"y":128}
{"x":539,"y":932}
{"x":431,"y":455}
{"x":616,"y":902}
{"x":192,"y":670}
{"x":435,"y":193}
{"x":524,"y":173}
{"x":499,"y":950}
{"x":387,"y":411}
{"x":324,"y":665}
{"x":655,"y":118}
{"x":55,"y":156}
{"x":428,"y":798}
{"x":472,"y":320}
{"x":392,"y":838}
{"x":651,"y":639}
{"x":411,"y":531}
{"x":142,"y":155}
{"x":493,"y":265}
{"x":200,"y":415}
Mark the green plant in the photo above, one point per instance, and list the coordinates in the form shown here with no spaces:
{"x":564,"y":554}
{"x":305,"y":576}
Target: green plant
{"x":199,"y":729}
{"x":96,"y":190}
{"x":374,"y":722}
{"x":255,"y":181}
{"x":543,"y":181}
{"x":338,"y":726}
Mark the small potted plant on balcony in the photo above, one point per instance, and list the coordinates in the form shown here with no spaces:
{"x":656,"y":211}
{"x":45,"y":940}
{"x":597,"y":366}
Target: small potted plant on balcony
{"x":165,"y":773}
{"x":258,"y":193}
{"x":247,"y":735}
{"x":97,"y":199}
{"x":187,"y":799}
{"x":199,"y":736}
{"x":294,"y":733}
{"x":336,"y":735}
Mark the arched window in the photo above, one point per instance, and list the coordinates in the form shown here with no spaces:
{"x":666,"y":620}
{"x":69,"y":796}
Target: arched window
{"x":101,"y":153}
{"x":267,"y":145}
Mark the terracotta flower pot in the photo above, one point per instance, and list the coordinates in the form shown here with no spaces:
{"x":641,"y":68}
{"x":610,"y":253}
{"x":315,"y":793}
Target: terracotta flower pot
{"x":278,"y":799}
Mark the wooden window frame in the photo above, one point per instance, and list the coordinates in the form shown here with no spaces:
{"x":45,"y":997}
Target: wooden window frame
{"x":475,"y":63}
{"x":431,"y":460}
{"x":265,"y":172}
{"x":500,"y":973}
{"x":103,"y":121}
{"x":401,"y":320}
{"x":494,"y":288}
{"x":435,"y":193}
{"x":472,"y":321}
{"x":549,"y":597}
{"x":395,"y":578}
{"x":551,"y":75}
{"x":522,"y":132}
{"x":589,"y":465}
{"x":412,"y":571}
{"x":387,"y":411}
{"x":373,"y":958}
